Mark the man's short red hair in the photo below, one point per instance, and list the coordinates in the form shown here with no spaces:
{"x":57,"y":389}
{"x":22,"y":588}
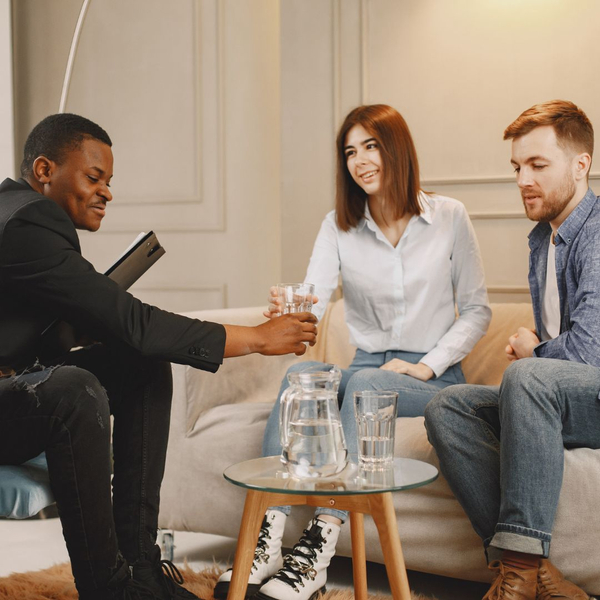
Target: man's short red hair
{"x":572,"y":127}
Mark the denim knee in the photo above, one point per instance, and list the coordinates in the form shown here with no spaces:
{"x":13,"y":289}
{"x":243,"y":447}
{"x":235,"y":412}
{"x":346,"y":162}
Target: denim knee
{"x":520,"y":371}
{"x":364,"y":379}
{"x":446,"y":399}
{"x":434,"y":413}
{"x":529,"y":379}
{"x":434,"y":410}
{"x":87,"y":399}
{"x":527,"y":371}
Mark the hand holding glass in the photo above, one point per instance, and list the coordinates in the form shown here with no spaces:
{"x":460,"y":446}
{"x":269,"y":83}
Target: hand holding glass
{"x":375,"y":426}
{"x":295,"y":297}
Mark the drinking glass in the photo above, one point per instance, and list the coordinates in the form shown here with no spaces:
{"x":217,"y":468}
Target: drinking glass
{"x":295,"y":297}
{"x":375,"y":426}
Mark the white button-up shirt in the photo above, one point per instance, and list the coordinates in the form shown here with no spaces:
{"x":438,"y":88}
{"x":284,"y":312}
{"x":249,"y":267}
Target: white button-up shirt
{"x":406,"y":298}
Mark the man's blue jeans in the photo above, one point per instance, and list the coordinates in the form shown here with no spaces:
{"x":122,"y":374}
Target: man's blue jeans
{"x":501,"y":449}
{"x":364,"y":374}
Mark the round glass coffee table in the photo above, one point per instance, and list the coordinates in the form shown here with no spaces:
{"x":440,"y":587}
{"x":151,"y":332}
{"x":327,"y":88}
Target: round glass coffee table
{"x":356,"y":490}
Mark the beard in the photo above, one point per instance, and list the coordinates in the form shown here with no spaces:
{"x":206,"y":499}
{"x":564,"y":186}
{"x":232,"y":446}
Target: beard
{"x":553,"y":203}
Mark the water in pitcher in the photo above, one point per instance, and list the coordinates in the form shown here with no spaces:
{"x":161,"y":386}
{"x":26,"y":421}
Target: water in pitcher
{"x":376,"y":438}
{"x":316,"y":448}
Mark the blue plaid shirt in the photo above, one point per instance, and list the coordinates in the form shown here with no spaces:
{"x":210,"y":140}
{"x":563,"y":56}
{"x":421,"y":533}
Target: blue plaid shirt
{"x":577,"y":244}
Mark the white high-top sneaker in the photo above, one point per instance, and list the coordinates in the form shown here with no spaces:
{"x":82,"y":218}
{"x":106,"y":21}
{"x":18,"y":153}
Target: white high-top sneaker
{"x":304,"y":572}
{"x":267,"y":556}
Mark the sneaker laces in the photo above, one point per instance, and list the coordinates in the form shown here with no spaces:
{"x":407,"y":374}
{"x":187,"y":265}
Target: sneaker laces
{"x":260,"y":553}
{"x":546,"y":588}
{"x":299,"y":564}
{"x":172,"y":577}
{"x":503,"y":582}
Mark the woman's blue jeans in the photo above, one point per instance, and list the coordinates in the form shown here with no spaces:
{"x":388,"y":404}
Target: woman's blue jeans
{"x":364,"y":374}
{"x":502,"y":448}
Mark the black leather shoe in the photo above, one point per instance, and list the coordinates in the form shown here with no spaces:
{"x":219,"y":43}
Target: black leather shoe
{"x":121,"y":587}
{"x":162,"y":577}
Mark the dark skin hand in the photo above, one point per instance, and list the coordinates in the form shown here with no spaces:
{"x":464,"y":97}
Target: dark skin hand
{"x":282,"y":335}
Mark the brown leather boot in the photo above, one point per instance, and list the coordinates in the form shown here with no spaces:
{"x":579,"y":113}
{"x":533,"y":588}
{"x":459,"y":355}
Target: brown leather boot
{"x":511,"y":583}
{"x":551,"y":584}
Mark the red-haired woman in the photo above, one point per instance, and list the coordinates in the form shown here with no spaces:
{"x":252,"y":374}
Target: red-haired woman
{"x":409,"y":262}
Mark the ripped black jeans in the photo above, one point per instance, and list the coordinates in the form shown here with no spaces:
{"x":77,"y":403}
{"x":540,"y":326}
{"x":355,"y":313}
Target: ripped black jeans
{"x":65,"y":411}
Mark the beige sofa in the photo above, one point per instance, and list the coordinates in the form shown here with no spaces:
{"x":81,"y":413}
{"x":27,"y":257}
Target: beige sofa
{"x":219,"y":420}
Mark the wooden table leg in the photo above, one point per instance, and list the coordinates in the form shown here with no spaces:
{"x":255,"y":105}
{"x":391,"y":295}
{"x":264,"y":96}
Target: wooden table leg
{"x":380,"y":506}
{"x":254,"y":511}
{"x":359,"y":558}
{"x":382,"y":510}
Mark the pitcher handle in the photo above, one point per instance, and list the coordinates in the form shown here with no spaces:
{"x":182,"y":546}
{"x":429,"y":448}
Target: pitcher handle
{"x":285,"y":406}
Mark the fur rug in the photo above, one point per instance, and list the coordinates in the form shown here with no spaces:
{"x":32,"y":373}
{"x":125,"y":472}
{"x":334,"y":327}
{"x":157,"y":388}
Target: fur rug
{"x":56,"y":583}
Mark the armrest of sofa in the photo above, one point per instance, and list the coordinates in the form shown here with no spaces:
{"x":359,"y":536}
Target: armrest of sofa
{"x":333,"y":339}
{"x":487,"y":362}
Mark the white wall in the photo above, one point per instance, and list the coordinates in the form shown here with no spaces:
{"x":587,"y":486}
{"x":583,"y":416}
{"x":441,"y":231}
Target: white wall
{"x":7,"y":155}
{"x":459,"y":72}
{"x":224,"y":113}
{"x":189,"y":92}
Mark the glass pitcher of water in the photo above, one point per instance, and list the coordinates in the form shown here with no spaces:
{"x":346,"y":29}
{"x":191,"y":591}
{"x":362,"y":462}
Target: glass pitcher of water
{"x":309,"y":423}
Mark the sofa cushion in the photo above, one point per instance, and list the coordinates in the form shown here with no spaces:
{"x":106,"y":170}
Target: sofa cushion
{"x":244,"y":379}
{"x":25,"y":489}
{"x":487,"y":362}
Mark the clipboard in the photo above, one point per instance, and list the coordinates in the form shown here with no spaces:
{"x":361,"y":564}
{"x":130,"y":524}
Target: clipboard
{"x":136,"y":260}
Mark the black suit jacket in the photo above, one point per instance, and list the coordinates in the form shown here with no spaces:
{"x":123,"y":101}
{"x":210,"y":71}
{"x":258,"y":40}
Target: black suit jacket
{"x":43,"y":277}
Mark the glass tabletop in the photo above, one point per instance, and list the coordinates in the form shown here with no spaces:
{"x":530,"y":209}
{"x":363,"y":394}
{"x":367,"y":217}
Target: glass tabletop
{"x":269,"y":475}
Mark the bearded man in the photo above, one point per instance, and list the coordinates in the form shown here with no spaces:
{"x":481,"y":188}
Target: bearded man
{"x":502,"y":448}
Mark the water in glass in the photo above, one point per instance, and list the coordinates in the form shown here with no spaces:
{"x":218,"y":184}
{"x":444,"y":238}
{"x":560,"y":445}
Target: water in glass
{"x":375,"y":414}
{"x":375,"y":437}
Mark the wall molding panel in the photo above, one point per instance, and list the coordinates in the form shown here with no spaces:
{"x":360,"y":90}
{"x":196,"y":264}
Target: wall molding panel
{"x":348,"y":55}
{"x":184,"y":298}
{"x":179,"y":106}
{"x":507,"y":289}
{"x":476,"y":180}
{"x":7,"y":133}
{"x":478,"y":216}
{"x":364,"y":51}
{"x":336,"y":39}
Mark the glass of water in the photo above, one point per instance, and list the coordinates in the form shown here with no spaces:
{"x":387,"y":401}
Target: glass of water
{"x":375,"y":426}
{"x":295,"y":297}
